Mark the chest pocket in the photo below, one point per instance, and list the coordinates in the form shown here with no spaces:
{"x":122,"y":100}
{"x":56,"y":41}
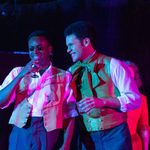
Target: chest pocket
{"x":55,"y":90}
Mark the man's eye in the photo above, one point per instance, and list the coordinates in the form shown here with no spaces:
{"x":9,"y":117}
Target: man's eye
{"x":35,"y":48}
{"x":39,"y":48}
{"x":31,"y":49}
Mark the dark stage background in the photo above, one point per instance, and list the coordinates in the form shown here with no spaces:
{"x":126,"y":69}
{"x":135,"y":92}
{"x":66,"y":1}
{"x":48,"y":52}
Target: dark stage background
{"x":123,"y":30}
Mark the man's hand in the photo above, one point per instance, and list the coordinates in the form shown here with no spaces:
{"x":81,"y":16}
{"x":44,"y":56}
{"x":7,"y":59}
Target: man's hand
{"x":30,"y":67}
{"x":92,"y":105}
{"x":86,"y":104}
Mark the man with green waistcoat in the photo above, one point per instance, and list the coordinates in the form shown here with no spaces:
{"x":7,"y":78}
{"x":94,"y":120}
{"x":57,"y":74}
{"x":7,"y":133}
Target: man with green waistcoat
{"x":104,"y":90}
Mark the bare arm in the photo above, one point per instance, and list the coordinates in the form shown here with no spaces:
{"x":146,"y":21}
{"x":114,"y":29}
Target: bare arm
{"x":144,"y":134}
{"x":68,"y":133}
{"x":8,"y":91}
{"x":143,"y":123}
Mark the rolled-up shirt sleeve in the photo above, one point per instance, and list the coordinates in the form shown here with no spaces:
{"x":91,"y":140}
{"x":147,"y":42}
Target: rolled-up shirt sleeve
{"x":129,"y":95}
{"x":9,"y":78}
{"x":69,"y":107}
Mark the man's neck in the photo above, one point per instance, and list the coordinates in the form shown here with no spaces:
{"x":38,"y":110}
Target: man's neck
{"x":89,"y":56}
{"x":44,"y":68}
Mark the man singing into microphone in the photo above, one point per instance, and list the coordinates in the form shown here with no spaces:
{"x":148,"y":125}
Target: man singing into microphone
{"x":44,"y":103}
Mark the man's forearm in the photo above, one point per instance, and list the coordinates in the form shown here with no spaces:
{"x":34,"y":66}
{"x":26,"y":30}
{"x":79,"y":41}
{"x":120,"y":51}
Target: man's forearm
{"x":111,"y":102}
{"x":68,"y":133}
{"x":7,"y":92}
{"x":144,"y":134}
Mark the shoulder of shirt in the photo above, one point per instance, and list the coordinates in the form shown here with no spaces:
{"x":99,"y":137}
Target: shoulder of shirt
{"x":118,"y":65}
{"x":17,"y":69}
{"x":116,"y":62}
{"x":103,"y":58}
{"x":107,"y":58}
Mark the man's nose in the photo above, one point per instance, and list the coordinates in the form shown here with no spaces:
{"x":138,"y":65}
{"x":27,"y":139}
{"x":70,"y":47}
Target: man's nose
{"x":36,"y":50}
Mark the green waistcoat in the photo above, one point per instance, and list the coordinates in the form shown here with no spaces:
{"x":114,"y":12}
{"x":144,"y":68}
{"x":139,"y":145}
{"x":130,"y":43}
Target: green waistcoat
{"x":96,"y":81}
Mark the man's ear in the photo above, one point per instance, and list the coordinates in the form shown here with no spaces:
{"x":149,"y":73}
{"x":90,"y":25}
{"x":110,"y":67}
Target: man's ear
{"x":86,"y":41}
{"x":50,"y":48}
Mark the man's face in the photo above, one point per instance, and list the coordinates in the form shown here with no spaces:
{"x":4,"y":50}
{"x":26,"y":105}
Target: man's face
{"x":75,"y":48}
{"x":39,"y":50}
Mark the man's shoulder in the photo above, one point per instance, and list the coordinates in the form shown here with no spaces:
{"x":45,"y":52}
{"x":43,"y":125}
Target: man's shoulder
{"x":16,"y":70}
{"x":108,"y":59}
{"x":102,"y":58}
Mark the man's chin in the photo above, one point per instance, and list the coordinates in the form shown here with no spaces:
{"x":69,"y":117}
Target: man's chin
{"x":74,"y":60}
{"x":37,"y":62}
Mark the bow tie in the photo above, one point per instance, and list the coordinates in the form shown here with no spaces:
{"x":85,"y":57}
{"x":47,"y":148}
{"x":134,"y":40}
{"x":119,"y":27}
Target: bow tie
{"x":89,"y":77}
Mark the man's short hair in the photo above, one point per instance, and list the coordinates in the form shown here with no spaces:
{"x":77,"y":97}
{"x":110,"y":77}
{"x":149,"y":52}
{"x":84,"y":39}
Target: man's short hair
{"x":82,"y":29}
{"x":40,"y":33}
